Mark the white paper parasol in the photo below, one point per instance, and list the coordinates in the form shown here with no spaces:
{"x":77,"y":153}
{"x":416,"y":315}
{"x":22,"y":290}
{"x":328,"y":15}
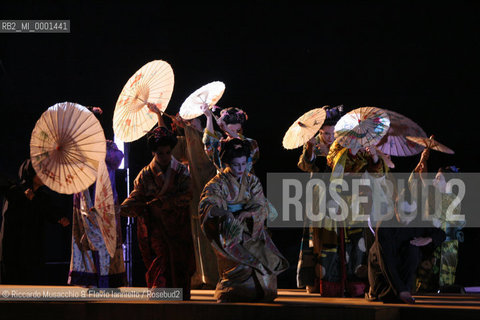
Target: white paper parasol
{"x":66,"y":147}
{"x":152,"y":83}
{"x":362,"y":127}
{"x":304,"y":128}
{"x":105,"y":206}
{"x":209,"y":94}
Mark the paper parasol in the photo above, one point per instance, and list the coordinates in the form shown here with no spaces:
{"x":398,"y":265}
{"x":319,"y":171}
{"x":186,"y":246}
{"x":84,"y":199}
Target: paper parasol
{"x":395,"y":143}
{"x":66,"y":147}
{"x":304,"y":128}
{"x":153,"y":83}
{"x":362,"y":127}
{"x":431,"y":144}
{"x":105,"y":206}
{"x":209,"y":94}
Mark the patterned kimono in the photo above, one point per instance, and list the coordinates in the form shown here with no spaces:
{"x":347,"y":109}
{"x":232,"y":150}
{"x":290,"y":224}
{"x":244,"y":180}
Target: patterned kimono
{"x":439,"y":266}
{"x":312,"y":238}
{"x":91,"y":264}
{"x":160,"y":201}
{"x":248,"y":260}
{"x":318,"y":162}
{"x":190,"y":148}
{"x":340,"y":249}
{"x":212,"y":143}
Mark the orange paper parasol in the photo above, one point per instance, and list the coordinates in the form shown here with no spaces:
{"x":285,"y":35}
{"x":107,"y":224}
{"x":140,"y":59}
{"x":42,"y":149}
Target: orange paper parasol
{"x":105,"y":206}
{"x":66,"y":147}
{"x":152,"y":83}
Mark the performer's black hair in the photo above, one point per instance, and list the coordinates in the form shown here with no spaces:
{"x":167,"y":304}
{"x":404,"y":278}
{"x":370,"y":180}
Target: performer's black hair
{"x":160,"y":136}
{"x":234,"y":148}
{"x":333,"y":115}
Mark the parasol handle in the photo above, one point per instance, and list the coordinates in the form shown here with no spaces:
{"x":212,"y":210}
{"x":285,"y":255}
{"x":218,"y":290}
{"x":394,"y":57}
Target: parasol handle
{"x":430,"y":144}
{"x":168,"y":115}
{"x":162,"y":112}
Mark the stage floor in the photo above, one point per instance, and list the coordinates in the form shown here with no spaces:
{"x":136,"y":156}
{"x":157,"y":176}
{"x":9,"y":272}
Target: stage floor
{"x":290,"y":304}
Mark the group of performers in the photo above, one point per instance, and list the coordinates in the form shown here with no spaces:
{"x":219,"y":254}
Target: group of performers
{"x":201,"y":217}
{"x":380,"y":263}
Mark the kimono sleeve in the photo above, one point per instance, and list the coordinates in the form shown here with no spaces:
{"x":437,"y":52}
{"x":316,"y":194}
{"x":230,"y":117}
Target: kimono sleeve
{"x":179,"y":152}
{"x":211,"y":142}
{"x":211,"y":197}
{"x":135,"y":204}
{"x":183,"y":194}
{"x":305,"y":164}
{"x":255,"y":150}
{"x":257,"y":205}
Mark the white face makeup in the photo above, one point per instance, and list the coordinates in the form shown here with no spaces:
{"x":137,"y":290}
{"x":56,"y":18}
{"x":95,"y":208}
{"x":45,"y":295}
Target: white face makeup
{"x":440,"y":183}
{"x":238,"y":166}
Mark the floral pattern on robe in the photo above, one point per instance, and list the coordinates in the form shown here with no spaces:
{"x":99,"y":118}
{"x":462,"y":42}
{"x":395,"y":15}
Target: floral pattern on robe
{"x":91,"y":264}
{"x":160,"y":201}
{"x":247,"y":257}
{"x":335,"y":258}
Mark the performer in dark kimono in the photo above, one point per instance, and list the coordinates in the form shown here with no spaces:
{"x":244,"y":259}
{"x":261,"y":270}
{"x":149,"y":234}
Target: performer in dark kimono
{"x":160,"y":200}
{"x":28,"y":204}
{"x":318,"y":244}
{"x":190,"y":151}
{"x":394,"y":258}
{"x":396,"y":252}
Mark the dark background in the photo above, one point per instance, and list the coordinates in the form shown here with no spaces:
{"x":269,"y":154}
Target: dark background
{"x":277,"y":61}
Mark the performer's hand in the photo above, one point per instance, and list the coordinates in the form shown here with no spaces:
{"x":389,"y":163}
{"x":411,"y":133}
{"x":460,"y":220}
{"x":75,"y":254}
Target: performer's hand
{"x":178,"y":121}
{"x":420,"y":241}
{"x":323,"y":148}
{"x":311,"y":142}
{"x":97,"y":110}
{"x":153,"y":108}
{"x":64,"y":222}
{"x":373,"y":152}
{"x":206,"y":110}
{"x":29,"y":194}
